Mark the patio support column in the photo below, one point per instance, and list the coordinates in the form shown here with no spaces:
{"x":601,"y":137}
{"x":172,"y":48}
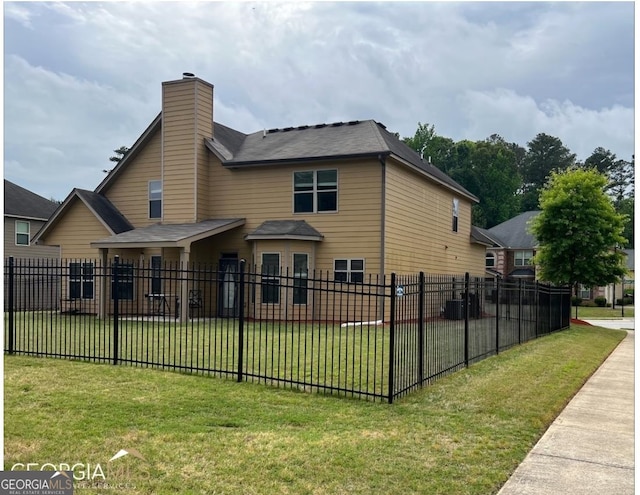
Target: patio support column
{"x":103,"y":304}
{"x":185,"y":253}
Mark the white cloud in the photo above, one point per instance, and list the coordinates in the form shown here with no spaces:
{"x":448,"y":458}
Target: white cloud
{"x":85,"y":78}
{"x":520,"y":118}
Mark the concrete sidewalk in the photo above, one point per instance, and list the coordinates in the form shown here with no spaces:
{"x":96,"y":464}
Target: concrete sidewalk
{"x":589,"y":448}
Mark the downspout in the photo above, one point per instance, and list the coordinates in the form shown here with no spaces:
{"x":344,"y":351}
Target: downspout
{"x":383,"y":191}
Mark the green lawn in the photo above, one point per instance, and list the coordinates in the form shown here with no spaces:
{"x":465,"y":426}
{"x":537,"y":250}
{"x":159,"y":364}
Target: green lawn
{"x":602,"y":313}
{"x":464,"y":434}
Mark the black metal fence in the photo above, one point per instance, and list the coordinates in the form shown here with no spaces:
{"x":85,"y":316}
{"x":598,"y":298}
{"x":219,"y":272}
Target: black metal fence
{"x":379,"y":339}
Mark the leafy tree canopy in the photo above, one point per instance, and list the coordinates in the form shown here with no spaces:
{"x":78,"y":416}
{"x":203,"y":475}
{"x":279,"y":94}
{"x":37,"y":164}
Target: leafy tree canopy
{"x":578,"y":230}
{"x":545,"y":155}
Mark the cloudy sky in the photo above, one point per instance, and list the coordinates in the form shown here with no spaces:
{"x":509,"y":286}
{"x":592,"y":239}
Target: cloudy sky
{"x":82,"y":79}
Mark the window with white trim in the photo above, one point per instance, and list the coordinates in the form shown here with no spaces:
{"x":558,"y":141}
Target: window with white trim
{"x":155,"y":199}
{"x":455,"y":210}
{"x":22,"y":233}
{"x":315,"y":191}
{"x":585,"y":292}
{"x":270,"y":282}
{"x":490,"y":260}
{"x":300,"y":275}
{"x":348,"y":270}
{"x":81,"y":278}
{"x":522,"y":258}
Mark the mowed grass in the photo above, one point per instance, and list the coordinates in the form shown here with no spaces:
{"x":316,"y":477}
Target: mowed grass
{"x":602,"y":313}
{"x":464,"y":434}
{"x":304,"y":355}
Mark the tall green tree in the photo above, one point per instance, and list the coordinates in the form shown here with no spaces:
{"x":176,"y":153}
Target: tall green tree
{"x":620,"y":173}
{"x":431,"y":146}
{"x":578,"y":230}
{"x":626,"y":207}
{"x":545,"y":154}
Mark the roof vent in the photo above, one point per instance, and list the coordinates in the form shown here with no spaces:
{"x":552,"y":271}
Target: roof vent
{"x":188,"y":75}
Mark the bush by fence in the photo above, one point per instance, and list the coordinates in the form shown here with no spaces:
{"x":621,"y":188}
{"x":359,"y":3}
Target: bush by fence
{"x":380,"y":338}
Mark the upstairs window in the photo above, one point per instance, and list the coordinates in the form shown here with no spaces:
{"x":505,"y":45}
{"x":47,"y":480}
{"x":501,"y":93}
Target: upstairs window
{"x":523,"y":258}
{"x":155,"y":199}
{"x":456,"y":206}
{"x":348,"y":270}
{"x":315,"y":191}
{"x":22,"y":233}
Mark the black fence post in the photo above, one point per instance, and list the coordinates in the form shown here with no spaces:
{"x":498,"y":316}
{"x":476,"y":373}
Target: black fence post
{"x":11,"y":304}
{"x":241,"y":321}
{"x":116,"y":310}
{"x":392,"y":336}
{"x":421,"y":339}
{"x":498,"y":315}
{"x":466,"y":319}
{"x":537,"y":300}
{"x":519,"y":311}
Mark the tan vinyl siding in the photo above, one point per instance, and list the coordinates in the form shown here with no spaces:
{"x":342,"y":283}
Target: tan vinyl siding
{"x":205,"y":130}
{"x":261,"y":194}
{"x":418,"y":227}
{"x":187,"y":118}
{"x":30,"y":251}
{"x":78,"y":228}
{"x":130,"y":193}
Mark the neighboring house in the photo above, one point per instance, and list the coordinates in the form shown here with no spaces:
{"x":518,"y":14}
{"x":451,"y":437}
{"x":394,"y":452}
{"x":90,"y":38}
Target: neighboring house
{"x":347,"y":198}
{"x":513,"y":248}
{"x":24,"y":214}
{"x":614,"y":292}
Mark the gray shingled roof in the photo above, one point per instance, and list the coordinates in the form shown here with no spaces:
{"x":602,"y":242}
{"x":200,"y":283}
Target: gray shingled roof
{"x":282,"y":229}
{"x":481,"y":236}
{"x":318,"y":142}
{"x":169,"y":235}
{"x":21,"y":202}
{"x":514,"y":233}
{"x":105,"y":210}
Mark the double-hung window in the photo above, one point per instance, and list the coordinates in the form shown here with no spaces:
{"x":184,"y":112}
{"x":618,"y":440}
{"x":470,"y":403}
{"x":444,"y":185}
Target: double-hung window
{"x":523,"y":258}
{"x":125,"y":282}
{"x":81,"y":280}
{"x":454,"y":221}
{"x":315,"y":191}
{"x":270,"y":278}
{"x":22,"y":233}
{"x":348,"y":270}
{"x":155,"y":199}
{"x":490,"y":260}
{"x":300,"y":275}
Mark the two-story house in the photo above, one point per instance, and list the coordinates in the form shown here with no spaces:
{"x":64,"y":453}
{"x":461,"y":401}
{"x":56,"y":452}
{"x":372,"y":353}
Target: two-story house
{"x":511,"y":255}
{"x":345,"y":198}
{"x":25,"y":212}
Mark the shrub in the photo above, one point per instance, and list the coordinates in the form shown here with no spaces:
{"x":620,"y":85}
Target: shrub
{"x":627,"y":301}
{"x":600,"y":301}
{"x":576,"y":301}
